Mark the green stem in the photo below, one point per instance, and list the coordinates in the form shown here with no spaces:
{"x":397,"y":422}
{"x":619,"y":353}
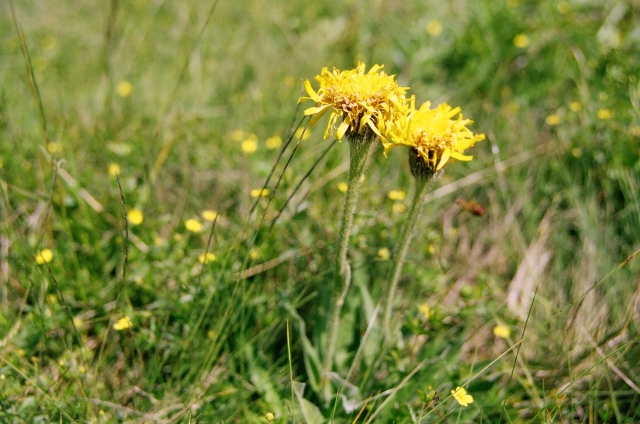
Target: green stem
{"x":358,"y":149}
{"x":403,"y":243}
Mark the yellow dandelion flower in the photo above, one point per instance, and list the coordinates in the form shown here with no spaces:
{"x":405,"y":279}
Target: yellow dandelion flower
{"x":434,"y":28}
{"x":113,"y":169}
{"x":365,"y":101}
{"x":501,"y":331}
{"x":135,"y":216}
{"x":249,"y":146}
{"x":342,"y":187}
{"x":302,"y":132}
{"x":605,"y":114}
{"x":273,"y":142}
{"x":460,"y":394}
{"x":269,"y":416}
{"x":384,"y":253}
{"x":521,"y":41}
{"x":432,"y":134}
{"x":259,"y":192}
{"x":124,"y":88}
{"x":254,"y":254}
{"x":552,"y":119}
{"x":54,"y":147}
{"x":209,"y":215}
{"x":396,"y":195}
{"x":123,"y":323}
{"x":237,"y":135}
{"x":425,"y":310}
{"x":44,"y":256}
{"x":575,"y":106}
{"x":399,"y":208}
{"x":193,"y":225}
{"x":206,"y":258}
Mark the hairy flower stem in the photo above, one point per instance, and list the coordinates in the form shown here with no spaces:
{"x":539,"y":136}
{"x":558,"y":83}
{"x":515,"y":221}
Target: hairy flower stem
{"x":422,"y":182}
{"x":358,"y":149}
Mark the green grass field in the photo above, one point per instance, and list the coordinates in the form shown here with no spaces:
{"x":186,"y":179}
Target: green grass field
{"x":175,"y":315}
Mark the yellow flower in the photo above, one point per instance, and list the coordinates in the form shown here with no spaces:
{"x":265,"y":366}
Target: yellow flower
{"x":257,"y":192}
{"x":269,"y":416}
{"x":237,"y":135}
{"x":425,"y":310}
{"x":54,"y":147}
{"x":302,"y":132}
{"x":124,"y":88}
{"x":254,"y":254}
{"x":44,"y":256}
{"x":398,"y":208}
{"x":193,"y":225}
{"x":113,"y":169}
{"x":384,"y":253}
{"x":521,"y":41}
{"x":135,"y":217}
{"x":367,"y":102}
{"x":575,"y":106}
{"x":396,"y":195}
{"x":205,"y":259}
{"x":122,"y":324}
{"x":553,"y":119}
{"x":461,"y":395}
{"x":501,"y":331}
{"x":605,"y":113}
{"x":343,"y":187}
{"x":209,"y":215}
{"x":273,"y":142}
{"x":433,"y":135}
{"x":434,"y":28}
{"x":249,"y":146}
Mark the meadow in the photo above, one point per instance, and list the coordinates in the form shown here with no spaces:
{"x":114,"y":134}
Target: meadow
{"x":169,"y":224}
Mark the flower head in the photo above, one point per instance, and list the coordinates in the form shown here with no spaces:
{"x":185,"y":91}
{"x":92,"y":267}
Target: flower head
{"x":461,"y":395}
{"x":193,"y":225}
{"x":135,"y":216}
{"x":123,"y":323}
{"x":433,"y":134}
{"x":367,"y":101}
{"x":44,"y":256}
{"x":501,"y":331}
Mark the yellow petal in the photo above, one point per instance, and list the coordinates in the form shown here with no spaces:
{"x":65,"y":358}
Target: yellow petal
{"x":343,"y":128}
{"x":459,"y":156}
{"x":319,"y":113}
{"x":310,"y":91}
{"x":443,"y":159}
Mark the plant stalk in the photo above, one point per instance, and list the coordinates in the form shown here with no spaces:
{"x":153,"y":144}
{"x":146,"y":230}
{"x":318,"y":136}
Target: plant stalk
{"x":358,"y":149}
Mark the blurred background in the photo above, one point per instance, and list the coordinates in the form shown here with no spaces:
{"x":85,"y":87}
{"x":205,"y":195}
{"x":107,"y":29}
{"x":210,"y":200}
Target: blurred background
{"x":167,"y":319}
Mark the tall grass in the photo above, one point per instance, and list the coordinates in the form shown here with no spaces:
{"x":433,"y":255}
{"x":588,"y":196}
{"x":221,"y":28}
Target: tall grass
{"x":553,"y":257}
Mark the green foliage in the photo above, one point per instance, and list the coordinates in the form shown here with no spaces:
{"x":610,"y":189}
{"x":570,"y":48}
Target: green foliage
{"x":245,"y":334}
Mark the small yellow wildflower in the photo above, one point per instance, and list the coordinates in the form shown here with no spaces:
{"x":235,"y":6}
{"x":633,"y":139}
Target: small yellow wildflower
{"x":159,"y":241}
{"x":564,"y":7}
{"x":44,"y":256}
{"x":113,"y":169}
{"x":605,"y":114}
{"x":193,"y":225}
{"x":521,"y":41}
{"x":398,"y":208}
{"x":301,"y":132}
{"x":501,"y":331}
{"x":123,"y":323}
{"x":209,"y":257}
{"x":396,"y":195}
{"x":553,"y":119}
{"x":269,"y":416}
{"x":342,"y":187}
{"x":237,"y":135}
{"x":603,"y":96}
{"x":2,"y":377}
{"x":259,"y":192}
{"x":254,"y":254}
{"x":101,"y":412}
{"x":273,"y":142}
{"x":48,"y":42}
{"x":82,"y":369}
{"x":124,"y":88}
{"x":425,"y":310}
{"x":211,"y":334}
{"x":434,"y":28}
{"x":135,"y":216}
{"x":54,"y":147}
{"x":209,"y":215}
{"x":576,"y":152}
{"x":52,"y":298}
{"x":384,"y":253}
{"x":365,"y":101}
{"x":460,"y":394}
{"x":249,"y":146}
{"x":177,"y":237}
{"x":575,"y":106}
{"x":433,"y":135}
